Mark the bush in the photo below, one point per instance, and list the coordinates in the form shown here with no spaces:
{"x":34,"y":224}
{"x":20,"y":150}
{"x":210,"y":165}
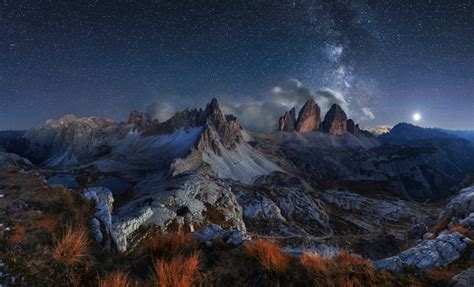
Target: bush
{"x":270,"y":255}
{"x":461,"y":229}
{"x":177,"y":272}
{"x":73,"y":247}
{"x":315,"y":263}
{"x":171,"y":244}
{"x":116,"y":279}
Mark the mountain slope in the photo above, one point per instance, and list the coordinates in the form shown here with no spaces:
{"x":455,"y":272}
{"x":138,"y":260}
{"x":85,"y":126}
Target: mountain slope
{"x":404,"y":133}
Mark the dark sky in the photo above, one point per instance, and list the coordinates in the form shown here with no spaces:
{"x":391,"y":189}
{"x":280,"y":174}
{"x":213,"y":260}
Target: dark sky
{"x":105,"y":58}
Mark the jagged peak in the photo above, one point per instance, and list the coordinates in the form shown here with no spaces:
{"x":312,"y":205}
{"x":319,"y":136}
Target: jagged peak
{"x":309,"y":117}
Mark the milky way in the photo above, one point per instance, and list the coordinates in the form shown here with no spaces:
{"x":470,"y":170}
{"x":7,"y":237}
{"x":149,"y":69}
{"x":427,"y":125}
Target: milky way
{"x":387,"y":60}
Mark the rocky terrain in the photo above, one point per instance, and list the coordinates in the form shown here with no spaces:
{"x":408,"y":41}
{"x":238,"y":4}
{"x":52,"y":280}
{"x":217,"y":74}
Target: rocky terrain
{"x":315,"y":185}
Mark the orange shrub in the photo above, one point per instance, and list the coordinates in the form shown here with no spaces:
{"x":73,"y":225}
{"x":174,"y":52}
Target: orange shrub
{"x":73,"y":246}
{"x":171,"y":244}
{"x":345,"y":282}
{"x":270,"y":255}
{"x":18,"y":234}
{"x":345,"y":257}
{"x":49,"y":223}
{"x":177,"y":272}
{"x":116,"y":279}
{"x":315,"y":263}
{"x":461,"y":229}
{"x":439,"y":275}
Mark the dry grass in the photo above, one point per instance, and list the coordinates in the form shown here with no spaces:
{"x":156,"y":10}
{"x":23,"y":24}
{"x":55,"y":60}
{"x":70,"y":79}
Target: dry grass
{"x":440,"y":275}
{"x":48,"y":222}
{"x":461,"y":229}
{"x":346,"y":282}
{"x":346,"y":258}
{"x":315,"y":263}
{"x":177,"y":272}
{"x":344,"y":270}
{"x":73,"y":247}
{"x":171,"y":244}
{"x":18,"y":234}
{"x":270,"y":255}
{"x":116,"y":279}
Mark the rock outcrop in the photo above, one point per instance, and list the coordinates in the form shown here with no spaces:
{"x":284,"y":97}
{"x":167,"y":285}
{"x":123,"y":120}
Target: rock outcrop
{"x":309,"y":120}
{"x":139,"y":120}
{"x":438,"y":252}
{"x":464,"y":278}
{"x":352,"y":127}
{"x":447,"y":247}
{"x":309,"y":117}
{"x":102,"y":220}
{"x":335,"y":121}
{"x":287,"y":122}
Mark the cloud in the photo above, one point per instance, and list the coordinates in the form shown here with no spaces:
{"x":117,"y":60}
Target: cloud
{"x":161,"y":111}
{"x":367,"y":114}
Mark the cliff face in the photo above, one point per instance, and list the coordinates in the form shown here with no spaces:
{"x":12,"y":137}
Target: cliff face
{"x":335,"y":121}
{"x":309,"y":118}
{"x":287,"y":121}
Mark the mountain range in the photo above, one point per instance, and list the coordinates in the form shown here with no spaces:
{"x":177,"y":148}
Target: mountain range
{"x":315,"y":183}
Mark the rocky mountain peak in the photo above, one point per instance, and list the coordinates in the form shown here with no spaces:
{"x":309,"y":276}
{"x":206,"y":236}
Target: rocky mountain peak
{"x":214,"y":115}
{"x":335,"y":121}
{"x":288,"y":121}
{"x":309,"y":118}
{"x":139,"y":120}
{"x":352,"y":127}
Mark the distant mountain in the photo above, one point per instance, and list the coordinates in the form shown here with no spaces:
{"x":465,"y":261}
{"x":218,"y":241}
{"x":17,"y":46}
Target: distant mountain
{"x":6,"y":136}
{"x":309,"y":120}
{"x":465,"y":134}
{"x":378,"y":130}
{"x":404,"y":133}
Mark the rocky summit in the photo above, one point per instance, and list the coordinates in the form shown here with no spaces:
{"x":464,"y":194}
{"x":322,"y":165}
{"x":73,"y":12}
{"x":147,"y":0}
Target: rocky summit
{"x":309,"y":120}
{"x":399,"y":204}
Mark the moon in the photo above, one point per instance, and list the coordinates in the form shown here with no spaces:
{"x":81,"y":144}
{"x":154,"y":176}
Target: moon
{"x":416,"y":117}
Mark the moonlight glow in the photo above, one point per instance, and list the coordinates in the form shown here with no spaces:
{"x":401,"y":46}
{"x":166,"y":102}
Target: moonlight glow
{"x":416,"y":117}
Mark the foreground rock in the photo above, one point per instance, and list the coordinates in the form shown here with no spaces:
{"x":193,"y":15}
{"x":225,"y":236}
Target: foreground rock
{"x":10,"y":159}
{"x":102,"y":220}
{"x":446,"y":247}
{"x":464,"y":278}
{"x":438,"y":252}
{"x":186,"y":201}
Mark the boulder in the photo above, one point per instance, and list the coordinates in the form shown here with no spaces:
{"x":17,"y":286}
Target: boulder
{"x":102,"y":220}
{"x":464,"y":278}
{"x":438,"y":252}
{"x":214,"y":231}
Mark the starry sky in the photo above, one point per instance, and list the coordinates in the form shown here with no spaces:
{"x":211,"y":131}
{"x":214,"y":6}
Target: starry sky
{"x":386,"y":60}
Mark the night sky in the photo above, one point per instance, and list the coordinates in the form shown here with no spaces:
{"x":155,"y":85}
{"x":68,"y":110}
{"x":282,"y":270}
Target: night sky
{"x":387,"y":59}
